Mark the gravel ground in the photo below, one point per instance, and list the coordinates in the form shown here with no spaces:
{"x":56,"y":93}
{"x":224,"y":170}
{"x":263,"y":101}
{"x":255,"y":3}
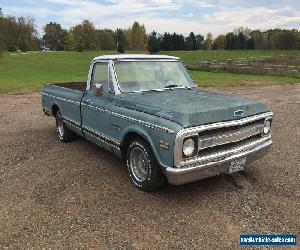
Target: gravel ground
{"x":76,"y":195}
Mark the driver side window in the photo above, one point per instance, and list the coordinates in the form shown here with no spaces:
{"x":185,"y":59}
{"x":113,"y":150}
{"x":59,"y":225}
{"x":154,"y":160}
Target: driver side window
{"x":101,"y":76}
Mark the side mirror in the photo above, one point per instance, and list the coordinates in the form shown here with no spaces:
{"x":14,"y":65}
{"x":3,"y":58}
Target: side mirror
{"x":98,"y":89}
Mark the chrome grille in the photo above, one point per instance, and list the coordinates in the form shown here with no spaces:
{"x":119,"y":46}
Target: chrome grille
{"x":221,"y":139}
{"x":230,"y":146}
{"x":229,"y":136}
{"x":226,"y":138}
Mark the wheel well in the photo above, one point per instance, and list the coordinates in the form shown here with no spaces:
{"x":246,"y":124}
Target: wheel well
{"x":54,"y":109}
{"x":128,"y":137}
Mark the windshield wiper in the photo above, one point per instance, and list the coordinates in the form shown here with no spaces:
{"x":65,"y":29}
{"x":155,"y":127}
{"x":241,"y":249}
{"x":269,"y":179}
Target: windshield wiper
{"x":172,"y":86}
{"x":145,"y":90}
{"x":175,"y":85}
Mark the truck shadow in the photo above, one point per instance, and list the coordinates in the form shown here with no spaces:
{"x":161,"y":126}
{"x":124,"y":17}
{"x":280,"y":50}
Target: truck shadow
{"x":233,"y":182}
{"x":105,"y":162}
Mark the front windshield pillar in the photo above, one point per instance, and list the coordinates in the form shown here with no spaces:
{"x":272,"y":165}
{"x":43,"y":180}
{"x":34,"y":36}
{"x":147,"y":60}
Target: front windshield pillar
{"x":114,"y":78}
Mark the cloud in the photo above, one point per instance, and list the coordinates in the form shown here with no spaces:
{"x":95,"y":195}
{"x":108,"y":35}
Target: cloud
{"x":182,"y":16}
{"x":255,"y":18}
{"x":28,"y":11}
{"x":115,"y":13}
{"x":159,"y":24}
{"x":188,"y":15}
{"x":67,"y":2}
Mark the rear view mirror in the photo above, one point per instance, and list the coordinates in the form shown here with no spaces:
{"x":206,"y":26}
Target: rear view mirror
{"x":98,"y":89}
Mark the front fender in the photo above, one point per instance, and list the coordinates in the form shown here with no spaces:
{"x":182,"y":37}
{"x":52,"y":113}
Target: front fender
{"x":163,"y":156}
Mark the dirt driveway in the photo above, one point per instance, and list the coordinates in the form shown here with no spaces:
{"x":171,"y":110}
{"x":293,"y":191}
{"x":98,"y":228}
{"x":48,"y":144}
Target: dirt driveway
{"x":78,"y":196}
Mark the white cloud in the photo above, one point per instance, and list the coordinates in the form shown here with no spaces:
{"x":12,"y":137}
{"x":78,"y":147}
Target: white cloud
{"x":202,"y":16}
{"x":159,"y":24}
{"x":255,"y":18}
{"x":188,"y":15}
{"x":32,"y":11}
{"x":117,"y":14}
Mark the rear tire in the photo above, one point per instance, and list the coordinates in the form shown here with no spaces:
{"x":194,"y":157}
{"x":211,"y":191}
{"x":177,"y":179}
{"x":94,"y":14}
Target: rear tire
{"x":63,"y":132}
{"x":144,"y":171}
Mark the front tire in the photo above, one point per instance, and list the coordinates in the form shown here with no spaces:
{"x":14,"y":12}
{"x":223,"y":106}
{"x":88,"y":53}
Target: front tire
{"x":63,"y":132}
{"x":143,"y":168}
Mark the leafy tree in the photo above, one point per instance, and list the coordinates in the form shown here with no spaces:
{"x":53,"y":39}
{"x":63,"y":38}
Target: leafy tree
{"x":80,"y":45}
{"x":77,"y":35}
{"x":27,"y":33}
{"x":10,"y":33}
{"x":241,"y":36}
{"x":120,"y":41}
{"x":84,"y":36}
{"x":180,"y":42}
{"x":286,"y":40}
{"x":208,"y":41}
{"x":23,"y":44}
{"x":177,"y":42}
{"x":166,"y":41}
{"x":173,"y":42}
{"x":136,"y":37}
{"x":230,"y":41}
{"x":191,"y":42}
{"x":241,"y":41}
{"x":69,"y":41}
{"x":105,"y":39}
{"x":88,"y":34}
{"x":258,"y":37}
{"x":18,"y":31}
{"x":250,"y":43}
{"x":55,"y":38}
{"x":153,"y":43}
{"x":219,"y":42}
{"x":199,"y":41}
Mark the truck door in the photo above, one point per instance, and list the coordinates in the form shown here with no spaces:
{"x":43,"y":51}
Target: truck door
{"x":95,"y":116}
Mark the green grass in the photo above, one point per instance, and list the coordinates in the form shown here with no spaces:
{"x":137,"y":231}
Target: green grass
{"x":208,"y":55}
{"x":28,"y":72}
{"x":211,"y":79}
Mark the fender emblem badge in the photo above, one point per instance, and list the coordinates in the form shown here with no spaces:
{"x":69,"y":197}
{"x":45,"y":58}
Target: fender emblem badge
{"x":238,"y":113}
{"x":164,"y":144}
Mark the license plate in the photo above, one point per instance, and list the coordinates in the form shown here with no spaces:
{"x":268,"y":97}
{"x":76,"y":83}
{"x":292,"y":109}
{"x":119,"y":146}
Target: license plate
{"x":237,"y":165}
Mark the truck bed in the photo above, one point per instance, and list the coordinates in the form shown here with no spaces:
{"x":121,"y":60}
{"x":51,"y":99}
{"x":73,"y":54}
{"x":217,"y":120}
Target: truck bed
{"x":64,"y":96}
{"x":79,"y":86}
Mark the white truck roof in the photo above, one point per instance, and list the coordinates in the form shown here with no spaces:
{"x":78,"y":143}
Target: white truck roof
{"x":134,"y":56}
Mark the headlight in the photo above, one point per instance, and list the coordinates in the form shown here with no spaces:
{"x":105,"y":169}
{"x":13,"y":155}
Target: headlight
{"x":267,"y":126}
{"x":189,"y":147}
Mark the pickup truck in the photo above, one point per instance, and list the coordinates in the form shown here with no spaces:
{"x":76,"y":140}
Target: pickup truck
{"x":147,"y":110}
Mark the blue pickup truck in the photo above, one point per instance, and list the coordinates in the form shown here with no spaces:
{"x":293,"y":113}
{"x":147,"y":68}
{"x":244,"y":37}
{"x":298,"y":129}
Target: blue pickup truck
{"x":147,"y":110}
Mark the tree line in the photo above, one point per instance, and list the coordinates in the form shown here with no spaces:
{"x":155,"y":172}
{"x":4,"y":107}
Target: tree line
{"x":19,"y":33}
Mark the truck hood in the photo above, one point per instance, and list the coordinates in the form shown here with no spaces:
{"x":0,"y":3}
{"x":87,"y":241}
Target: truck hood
{"x":190,"y":107}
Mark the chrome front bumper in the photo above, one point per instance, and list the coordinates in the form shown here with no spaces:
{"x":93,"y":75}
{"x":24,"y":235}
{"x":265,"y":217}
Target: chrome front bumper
{"x":200,"y":170}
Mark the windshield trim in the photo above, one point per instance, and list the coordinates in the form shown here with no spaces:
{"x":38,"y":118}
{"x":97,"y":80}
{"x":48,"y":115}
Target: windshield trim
{"x":147,"y":60}
{"x":160,"y":90}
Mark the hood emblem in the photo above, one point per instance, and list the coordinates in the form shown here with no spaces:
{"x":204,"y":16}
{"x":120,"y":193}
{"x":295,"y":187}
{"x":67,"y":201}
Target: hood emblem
{"x":238,"y":113}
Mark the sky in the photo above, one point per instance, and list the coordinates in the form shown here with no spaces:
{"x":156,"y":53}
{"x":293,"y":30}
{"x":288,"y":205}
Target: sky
{"x":201,"y":17}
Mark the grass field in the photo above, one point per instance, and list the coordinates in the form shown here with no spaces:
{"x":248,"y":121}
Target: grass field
{"x":209,"y":55}
{"x":28,"y":72}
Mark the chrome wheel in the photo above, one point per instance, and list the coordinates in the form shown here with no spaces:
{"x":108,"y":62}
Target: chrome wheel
{"x":60,"y":127}
{"x":138,"y":164}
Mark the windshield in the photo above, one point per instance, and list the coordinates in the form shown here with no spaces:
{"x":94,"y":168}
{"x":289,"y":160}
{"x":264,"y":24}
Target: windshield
{"x":152,"y":75}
